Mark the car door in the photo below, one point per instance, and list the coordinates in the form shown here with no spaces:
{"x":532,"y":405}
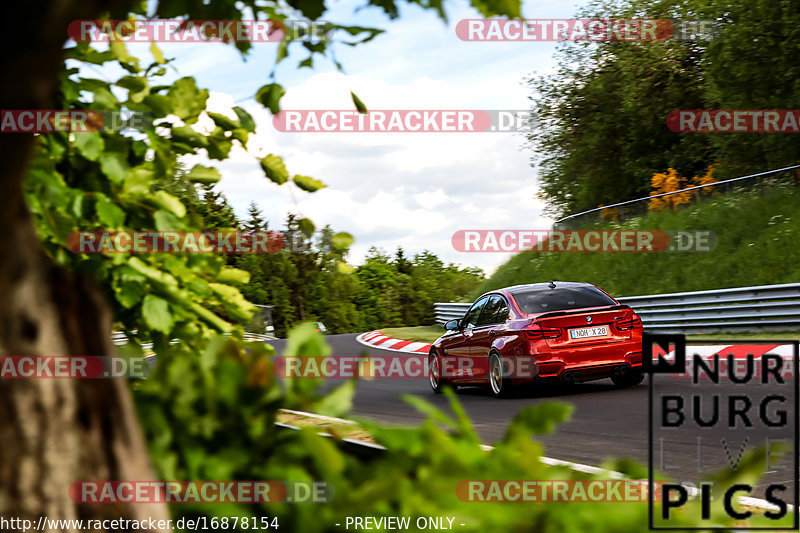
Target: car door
{"x":456,"y":350}
{"x":483,"y":335}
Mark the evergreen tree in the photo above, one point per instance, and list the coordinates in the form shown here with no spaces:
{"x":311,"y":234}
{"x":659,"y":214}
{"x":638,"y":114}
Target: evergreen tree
{"x":256,"y":221}
{"x":216,"y":211}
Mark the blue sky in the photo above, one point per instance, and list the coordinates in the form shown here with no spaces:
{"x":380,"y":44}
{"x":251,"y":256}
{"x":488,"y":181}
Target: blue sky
{"x":412,"y":190}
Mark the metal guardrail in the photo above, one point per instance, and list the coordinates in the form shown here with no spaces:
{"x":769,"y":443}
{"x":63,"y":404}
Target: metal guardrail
{"x":764,"y":307}
{"x":449,"y":311}
{"x":118,"y":338}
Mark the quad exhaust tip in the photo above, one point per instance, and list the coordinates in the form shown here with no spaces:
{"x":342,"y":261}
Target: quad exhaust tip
{"x":568,"y":377}
{"x":573,"y":376}
{"x":620,"y":370}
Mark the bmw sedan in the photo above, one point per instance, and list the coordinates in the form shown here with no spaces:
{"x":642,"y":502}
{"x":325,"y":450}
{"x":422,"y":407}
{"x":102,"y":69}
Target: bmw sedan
{"x":564,"y":332}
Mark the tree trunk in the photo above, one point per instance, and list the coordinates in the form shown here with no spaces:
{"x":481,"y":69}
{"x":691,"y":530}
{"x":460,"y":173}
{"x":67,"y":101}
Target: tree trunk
{"x":53,"y":432}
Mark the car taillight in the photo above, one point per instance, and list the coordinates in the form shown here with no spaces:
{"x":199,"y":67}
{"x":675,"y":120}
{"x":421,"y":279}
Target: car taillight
{"x":536,"y":331}
{"x":630,"y":323}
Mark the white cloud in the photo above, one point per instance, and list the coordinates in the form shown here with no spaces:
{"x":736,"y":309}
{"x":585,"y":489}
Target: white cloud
{"x":429,"y":200}
{"x":390,"y":189}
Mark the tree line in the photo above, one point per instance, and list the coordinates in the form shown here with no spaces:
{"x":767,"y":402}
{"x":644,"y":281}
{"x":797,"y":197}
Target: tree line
{"x":310,"y":280}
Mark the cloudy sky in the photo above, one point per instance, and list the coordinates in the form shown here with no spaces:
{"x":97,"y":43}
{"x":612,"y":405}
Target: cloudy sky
{"x":403,"y":189}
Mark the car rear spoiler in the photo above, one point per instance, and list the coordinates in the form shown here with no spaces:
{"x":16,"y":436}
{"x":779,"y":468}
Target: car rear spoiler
{"x":584,"y":310}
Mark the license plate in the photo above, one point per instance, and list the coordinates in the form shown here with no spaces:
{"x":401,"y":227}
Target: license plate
{"x":587,"y":333}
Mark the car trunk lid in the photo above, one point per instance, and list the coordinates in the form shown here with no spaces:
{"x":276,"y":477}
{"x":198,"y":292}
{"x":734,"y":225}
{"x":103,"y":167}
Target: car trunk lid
{"x":586,"y":327}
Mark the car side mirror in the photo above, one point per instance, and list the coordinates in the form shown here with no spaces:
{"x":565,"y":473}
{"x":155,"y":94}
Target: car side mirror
{"x":451,"y":325}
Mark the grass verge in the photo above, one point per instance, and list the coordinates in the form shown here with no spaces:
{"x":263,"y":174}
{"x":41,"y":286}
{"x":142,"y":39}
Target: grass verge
{"x":748,"y":336}
{"x":339,"y":430}
{"x":757,"y":235}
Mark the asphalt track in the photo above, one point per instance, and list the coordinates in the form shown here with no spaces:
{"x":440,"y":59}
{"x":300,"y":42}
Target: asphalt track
{"x":606,"y":422}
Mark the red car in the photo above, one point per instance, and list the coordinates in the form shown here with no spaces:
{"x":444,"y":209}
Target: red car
{"x":558,"y":331}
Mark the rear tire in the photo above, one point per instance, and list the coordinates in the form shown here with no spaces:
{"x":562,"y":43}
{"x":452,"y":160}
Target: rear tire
{"x":499,"y":383}
{"x":438,"y":383}
{"x":628,"y":379}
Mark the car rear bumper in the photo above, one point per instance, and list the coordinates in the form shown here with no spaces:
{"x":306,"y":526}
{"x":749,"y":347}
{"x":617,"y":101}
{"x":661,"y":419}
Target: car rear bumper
{"x":587,"y":365}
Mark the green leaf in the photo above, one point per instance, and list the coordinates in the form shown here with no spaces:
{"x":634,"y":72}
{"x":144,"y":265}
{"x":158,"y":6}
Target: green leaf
{"x":326,"y":457}
{"x":108,"y":213}
{"x":129,"y":293}
{"x":245,"y":119}
{"x":489,"y":8}
{"x":133,"y":83}
{"x":233,"y":301}
{"x":283,"y":50}
{"x":157,"y":54}
{"x":160,"y":105}
{"x":156,"y":314}
{"x":358,"y":103}
{"x":464,"y":423}
{"x":270,"y":95}
{"x":187,"y":100}
{"x":241,"y":135}
{"x":230,"y":375}
{"x":222,"y":121}
{"x":342,"y":240}
{"x":308,"y":184}
{"x":154,"y":274}
{"x":356,"y":30}
{"x":79,"y":205}
{"x":170,"y":203}
{"x":90,"y":144}
{"x":539,"y":419}
{"x":429,"y":410}
{"x":137,"y":182}
{"x":219,"y":145}
{"x":344,"y":268}
{"x":233,"y":276}
{"x":166,"y":221}
{"x":120,"y":53}
{"x":203,"y":174}
{"x":306,"y":227}
{"x":187,"y":135}
{"x":305,"y":341}
{"x":137,"y":87}
{"x":314,"y":48}
{"x":104,"y":99}
{"x":275,"y":169}
{"x":83,"y":52}
{"x":338,"y":401}
{"x":312,"y":9}
{"x":114,"y":165}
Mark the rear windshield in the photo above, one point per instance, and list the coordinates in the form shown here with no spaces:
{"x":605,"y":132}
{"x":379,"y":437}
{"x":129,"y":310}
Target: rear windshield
{"x":545,"y":300}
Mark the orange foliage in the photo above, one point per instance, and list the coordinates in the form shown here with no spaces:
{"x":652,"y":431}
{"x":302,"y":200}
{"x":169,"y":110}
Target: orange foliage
{"x":666,"y":182}
{"x":609,"y":214}
{"x":705,"y":179}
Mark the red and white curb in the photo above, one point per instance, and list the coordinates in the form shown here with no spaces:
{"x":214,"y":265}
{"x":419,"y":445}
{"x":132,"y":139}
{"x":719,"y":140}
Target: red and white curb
{"x":376,"y":339}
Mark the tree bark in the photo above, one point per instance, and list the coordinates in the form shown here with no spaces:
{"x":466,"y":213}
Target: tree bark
{"x":53,"y":432}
